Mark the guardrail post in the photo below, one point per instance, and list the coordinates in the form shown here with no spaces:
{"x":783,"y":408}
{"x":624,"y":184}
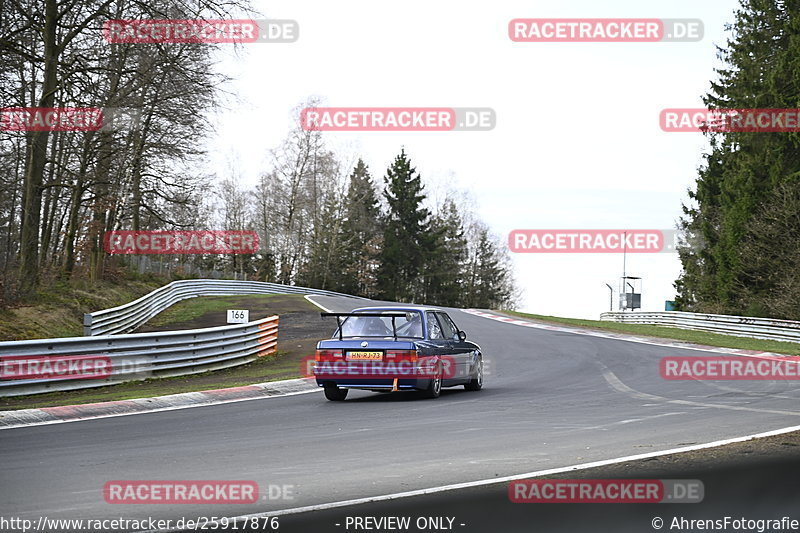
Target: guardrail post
{"x":87,"y":324}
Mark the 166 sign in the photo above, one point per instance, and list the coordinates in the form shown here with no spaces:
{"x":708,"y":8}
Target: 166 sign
{"x":238,"y":316}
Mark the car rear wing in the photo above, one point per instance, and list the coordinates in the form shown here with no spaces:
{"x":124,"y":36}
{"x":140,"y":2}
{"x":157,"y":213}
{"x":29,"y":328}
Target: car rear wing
{"x":339,"y":316}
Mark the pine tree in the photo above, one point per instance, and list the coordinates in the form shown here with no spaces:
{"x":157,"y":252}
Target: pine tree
{"x":360,"y":238}
{"x":446,"y":259}
{"x":743,"y":169}
{"x":490,"y":283}
{"x":406,"y":234}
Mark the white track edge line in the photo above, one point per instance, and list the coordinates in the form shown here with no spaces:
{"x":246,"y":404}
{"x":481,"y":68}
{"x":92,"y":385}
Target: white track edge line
{"x":156,"y":410}
{"x":492,"y":481}
{"x":308,"y":297}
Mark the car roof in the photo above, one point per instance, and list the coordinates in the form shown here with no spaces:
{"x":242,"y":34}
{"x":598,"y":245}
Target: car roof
{"x":399,"y":309}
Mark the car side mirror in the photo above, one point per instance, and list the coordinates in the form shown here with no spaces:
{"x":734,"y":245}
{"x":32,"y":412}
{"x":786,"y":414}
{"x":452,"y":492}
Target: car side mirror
{"x":462,"y":336}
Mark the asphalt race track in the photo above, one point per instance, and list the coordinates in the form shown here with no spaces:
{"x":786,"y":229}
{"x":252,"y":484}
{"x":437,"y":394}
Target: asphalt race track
{"x":551,"y":399}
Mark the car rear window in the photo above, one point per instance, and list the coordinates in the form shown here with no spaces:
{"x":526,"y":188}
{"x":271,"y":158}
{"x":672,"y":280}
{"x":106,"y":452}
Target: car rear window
{"x":409,"y":325}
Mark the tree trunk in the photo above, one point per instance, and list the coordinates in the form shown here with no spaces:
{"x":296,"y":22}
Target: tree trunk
{"x":36,"y":159}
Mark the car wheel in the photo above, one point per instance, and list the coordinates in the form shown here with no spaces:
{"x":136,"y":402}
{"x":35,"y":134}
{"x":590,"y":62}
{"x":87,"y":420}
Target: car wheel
{"x":435,"y":387}
{"x":335,"y":394}
{"x":476,"y":383}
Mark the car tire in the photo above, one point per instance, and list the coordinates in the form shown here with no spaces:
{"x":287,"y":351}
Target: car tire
{"x":335,"y":394}
{"x":476,"y":383}
{"x":435,"y":387}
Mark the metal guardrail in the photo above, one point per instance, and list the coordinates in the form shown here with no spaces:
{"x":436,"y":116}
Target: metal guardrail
{"x":742,"y":326}
{"x":128,"y":317}
{"x":45,"y":365}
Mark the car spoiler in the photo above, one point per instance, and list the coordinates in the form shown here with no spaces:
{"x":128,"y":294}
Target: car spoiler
{"x":338,"y":316}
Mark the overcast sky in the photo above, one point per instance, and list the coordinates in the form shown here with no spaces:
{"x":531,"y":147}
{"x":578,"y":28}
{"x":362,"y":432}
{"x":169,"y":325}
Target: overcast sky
{"x":577,"y":142}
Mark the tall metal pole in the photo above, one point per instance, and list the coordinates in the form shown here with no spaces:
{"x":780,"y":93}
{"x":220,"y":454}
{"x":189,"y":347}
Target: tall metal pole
{"x":624,"y":253}
{"x":624,"y":270}
{"x":610,"y":297}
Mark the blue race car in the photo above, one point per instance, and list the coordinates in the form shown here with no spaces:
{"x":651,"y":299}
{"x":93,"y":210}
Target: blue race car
{"x":387,"y":349}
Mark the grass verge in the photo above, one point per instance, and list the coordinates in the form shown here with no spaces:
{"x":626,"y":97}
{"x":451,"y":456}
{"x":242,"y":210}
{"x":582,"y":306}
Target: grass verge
{"x":193,"y":308}
{"x":687,"y":335}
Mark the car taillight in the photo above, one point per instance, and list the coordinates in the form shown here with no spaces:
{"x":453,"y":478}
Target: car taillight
{"x":402,"y":355}
{"x":327,"y":355}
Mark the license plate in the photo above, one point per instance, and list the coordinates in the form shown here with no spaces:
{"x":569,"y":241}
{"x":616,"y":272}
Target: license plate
{"x":364,"y":356}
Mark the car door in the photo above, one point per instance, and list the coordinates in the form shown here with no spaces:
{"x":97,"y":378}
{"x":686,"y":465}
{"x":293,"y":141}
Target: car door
{"x":464,"y":352}
{"x":454,"y":358}
{"x":440,"y":345}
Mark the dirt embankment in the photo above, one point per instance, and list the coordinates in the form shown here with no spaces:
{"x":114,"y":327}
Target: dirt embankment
{"x":299,"y":318}
{"x":299,"y":330}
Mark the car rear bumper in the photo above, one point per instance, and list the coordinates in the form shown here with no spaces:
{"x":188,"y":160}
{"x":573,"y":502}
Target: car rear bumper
{"x":377,"y":384}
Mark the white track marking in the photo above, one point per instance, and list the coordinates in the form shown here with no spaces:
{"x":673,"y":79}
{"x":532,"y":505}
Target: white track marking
{"x":619,"y":386}
{"x":496,"y":480}
{"x":308,"y":297}
{"x":156,"y":410}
